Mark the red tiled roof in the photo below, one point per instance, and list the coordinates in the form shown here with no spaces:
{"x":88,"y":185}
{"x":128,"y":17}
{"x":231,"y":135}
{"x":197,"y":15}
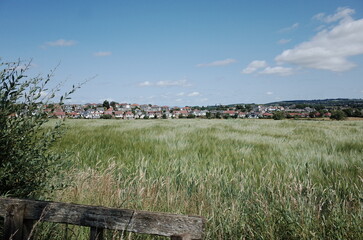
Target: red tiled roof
{"x":59,"y":113}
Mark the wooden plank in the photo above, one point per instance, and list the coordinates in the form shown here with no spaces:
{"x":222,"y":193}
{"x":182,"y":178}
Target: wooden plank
{"x":13,"y":223}
{"x":162,"y":224}
{"x":167,"y":224}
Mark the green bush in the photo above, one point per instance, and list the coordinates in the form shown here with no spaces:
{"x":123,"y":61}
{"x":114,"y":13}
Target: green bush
{"x":106,"y":116}
{"x":25,"y":160}
{"x":338,"y":115}
{"x":278,"y":115}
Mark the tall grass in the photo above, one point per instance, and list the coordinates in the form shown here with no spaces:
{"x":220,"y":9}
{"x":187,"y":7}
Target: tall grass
{"x":250,"y":179}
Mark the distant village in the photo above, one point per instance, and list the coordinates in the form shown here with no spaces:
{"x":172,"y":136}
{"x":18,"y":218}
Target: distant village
{"x":128,"y":111}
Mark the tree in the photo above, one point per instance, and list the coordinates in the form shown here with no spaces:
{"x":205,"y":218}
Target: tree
{"x":113,"y":104}
{"x":208,"y":115}
{"x":338,"y":115}
{"x":26,"y":162}
{"x":248,"y":107}
{"x":278,"y":115}
{"x":106,"y":104}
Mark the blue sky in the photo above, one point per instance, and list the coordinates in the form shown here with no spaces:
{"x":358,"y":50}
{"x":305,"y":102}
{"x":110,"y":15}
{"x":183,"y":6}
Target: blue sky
{"x":187,"y":52}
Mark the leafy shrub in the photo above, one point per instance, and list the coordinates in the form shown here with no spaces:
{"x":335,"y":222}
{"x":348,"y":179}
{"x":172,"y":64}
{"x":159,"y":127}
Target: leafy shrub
{"x":25,"y":160}
{"x":338,"y":115}
{"x":278,"y":115}
{"x":106,"y":116}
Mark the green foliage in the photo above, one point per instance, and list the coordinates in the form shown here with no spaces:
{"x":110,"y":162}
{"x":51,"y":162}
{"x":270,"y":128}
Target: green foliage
{"x":278,"y":115}
{"x":113,"y":104}
{"x":25,"y":162}
{"x":208,"y":115}
{"x":338,"y":115}
{"x":106,"y":104}
{"x":106,"y":116}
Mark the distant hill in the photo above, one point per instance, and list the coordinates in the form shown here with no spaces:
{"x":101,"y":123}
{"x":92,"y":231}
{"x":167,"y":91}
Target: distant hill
{"x":338,"y":102}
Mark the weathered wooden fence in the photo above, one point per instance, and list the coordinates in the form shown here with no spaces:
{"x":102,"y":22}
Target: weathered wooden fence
{"x":20,"y":215}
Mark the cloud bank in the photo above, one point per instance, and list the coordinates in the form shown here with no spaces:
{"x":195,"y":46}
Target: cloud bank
{"x":330,"y":48}
{"x":339,"y":38}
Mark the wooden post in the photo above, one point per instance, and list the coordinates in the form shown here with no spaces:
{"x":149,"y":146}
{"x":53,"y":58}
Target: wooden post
{"x":28,"y":228}
{"x":13,"y":224}
{"x":96,"y":233}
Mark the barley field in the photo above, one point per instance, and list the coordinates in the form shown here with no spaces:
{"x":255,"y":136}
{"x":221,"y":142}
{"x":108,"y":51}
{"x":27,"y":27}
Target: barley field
{"x":250,"y":179}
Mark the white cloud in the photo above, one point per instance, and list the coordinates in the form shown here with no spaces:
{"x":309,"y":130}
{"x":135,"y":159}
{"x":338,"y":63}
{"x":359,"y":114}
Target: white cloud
{"x":193,"y":94}
{"x":181,"y":94}
{"x":269,"y":93}
{"x":254,"y":66}
{"x":290,"y":28}
{"x":61,"y":43}
{"x":329,"y":49}
{"x":284,"y":41}
{"x":217,"y":63}
{"x":145,"y":84}
{"x":102,"y":54}
{"x":180,"y":83}
{"x":342,"y":13}
{"x":204,"y":99}
{"x":282,"y":71}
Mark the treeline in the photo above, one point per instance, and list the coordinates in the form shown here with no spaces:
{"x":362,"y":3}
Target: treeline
{"x":324,"y":103}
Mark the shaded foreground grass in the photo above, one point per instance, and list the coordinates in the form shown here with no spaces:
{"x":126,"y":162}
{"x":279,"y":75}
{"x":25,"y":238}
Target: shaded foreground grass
{"x":250,"y":179}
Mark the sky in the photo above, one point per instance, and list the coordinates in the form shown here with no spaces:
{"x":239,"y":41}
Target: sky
{"x":189,"y":52}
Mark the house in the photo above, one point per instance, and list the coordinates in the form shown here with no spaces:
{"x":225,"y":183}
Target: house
{"x":241,"y":115}
{"x":129,"y":115}
{"x":133,"y":106}
{"x":154,"y":114}
{"x":252,"y":115}
{"x":92,"y":114}
{"x":100,"y":109}
{"x":144,"y":107}
{"x":155,"y":108}
{"x":119,"y":114}
{"x":125,"y":106}
{"x":73,"y":114}
{"x":109,"y":111}
{"x":181,"y":113}
{"x":229,"y":113}
{"x":188,"y":109}
{"x":59,"y":114}
{"x":164,"y":108}
{"x":267,"y":115}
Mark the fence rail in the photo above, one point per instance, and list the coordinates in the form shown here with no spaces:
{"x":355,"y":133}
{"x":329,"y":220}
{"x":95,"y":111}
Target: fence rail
{"x":20,"y":215}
